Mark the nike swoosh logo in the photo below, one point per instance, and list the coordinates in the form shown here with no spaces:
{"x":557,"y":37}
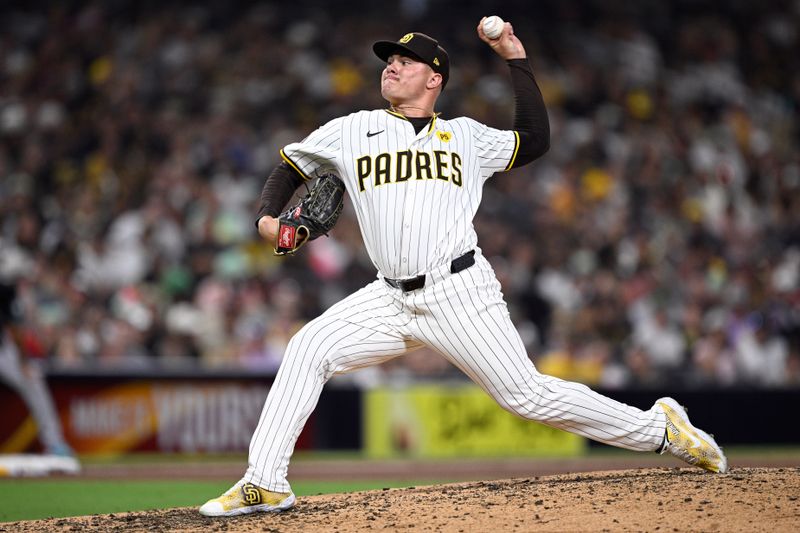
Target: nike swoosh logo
{"x":370,"y":134}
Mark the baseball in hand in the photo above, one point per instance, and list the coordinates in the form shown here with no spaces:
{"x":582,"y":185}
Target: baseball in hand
{"x":493,"y":26}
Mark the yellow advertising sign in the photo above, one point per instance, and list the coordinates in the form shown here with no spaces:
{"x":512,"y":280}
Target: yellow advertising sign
{"x":440,"y":421}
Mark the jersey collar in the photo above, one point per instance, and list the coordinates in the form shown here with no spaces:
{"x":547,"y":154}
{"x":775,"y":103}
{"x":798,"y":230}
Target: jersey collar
{"x":431,"y":126}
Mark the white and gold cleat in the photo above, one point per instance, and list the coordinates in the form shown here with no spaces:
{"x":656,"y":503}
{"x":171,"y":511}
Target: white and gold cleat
{"x":688,"y":443}
{"x":245,"y":498}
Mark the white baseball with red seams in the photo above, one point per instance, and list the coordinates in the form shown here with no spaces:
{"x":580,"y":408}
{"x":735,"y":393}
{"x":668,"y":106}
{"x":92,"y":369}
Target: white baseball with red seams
{"x":493,"y":26}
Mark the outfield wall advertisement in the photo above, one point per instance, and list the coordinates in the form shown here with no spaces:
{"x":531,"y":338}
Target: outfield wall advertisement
{"x":218,"y":413}
{"x":108,"y":417}
{"x":181,"y":418}
{"x":457,"y":421}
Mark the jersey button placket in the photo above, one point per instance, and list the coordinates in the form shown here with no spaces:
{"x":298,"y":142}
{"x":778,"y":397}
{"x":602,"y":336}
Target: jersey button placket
{"x":408,"y":214}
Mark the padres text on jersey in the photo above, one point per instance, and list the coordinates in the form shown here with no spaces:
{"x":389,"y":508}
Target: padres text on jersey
{"x":415,"y":194}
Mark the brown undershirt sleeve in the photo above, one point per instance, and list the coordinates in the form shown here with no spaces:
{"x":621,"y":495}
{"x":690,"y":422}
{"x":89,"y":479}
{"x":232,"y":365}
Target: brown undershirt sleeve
{"x":530,"y":114}
{"x":278,"y":189}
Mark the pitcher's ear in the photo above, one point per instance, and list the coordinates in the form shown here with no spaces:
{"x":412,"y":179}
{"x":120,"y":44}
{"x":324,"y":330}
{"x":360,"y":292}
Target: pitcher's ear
{"x":434,"y":81}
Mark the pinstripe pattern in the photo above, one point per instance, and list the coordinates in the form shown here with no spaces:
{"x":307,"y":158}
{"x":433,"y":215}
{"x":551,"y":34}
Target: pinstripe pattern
{"x":414,"y":220}
{"x":412,"y":227}
{"x":475,"y":332}
{"x":464,"y":318}
{"x":361,"y":330}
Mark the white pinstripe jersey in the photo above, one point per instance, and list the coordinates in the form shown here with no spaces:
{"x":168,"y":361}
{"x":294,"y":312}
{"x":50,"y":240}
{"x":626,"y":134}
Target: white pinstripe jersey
{"x":415,"y":195}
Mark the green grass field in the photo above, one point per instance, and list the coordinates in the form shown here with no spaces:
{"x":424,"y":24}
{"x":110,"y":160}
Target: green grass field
{"x":30,"y":499}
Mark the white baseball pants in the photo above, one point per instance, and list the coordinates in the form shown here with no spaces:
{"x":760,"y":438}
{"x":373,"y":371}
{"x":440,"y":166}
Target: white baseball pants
{"x":463,"y":317}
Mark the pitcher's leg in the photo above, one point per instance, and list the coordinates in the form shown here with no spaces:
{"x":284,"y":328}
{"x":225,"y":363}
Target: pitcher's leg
{"x":576,"y":408}
{"x":473,"y":330}
{"x":352,"y":334}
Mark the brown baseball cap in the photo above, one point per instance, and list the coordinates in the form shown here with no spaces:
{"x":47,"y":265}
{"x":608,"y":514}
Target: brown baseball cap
{"x":418,"y":46}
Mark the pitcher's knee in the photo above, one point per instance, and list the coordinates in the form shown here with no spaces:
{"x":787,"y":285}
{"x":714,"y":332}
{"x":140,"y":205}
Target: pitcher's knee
{"x":314,"y":346}
{"x":527,"y":401}
{"x":519,"y":405}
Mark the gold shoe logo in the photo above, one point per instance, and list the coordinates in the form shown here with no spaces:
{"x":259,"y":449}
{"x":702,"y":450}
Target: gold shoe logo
{"x":407,"y":37}
{"x":252,"y":496}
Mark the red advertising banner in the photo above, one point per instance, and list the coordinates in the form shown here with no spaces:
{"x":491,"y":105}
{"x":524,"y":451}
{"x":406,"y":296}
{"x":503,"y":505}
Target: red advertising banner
{"x":112,"y":416}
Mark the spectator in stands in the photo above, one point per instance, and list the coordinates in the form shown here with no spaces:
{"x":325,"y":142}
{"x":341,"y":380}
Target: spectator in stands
{"x":132,"y":139}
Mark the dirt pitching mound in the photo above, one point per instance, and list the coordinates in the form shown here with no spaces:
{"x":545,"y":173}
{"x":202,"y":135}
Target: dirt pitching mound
{"x":750,"y":499}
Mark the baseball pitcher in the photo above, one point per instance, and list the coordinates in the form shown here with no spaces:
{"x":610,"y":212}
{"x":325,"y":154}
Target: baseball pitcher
{"x":415,"y":180}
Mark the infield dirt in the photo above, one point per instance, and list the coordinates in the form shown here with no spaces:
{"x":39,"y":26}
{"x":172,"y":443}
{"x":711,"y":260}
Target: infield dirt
{"x":654,"y":499}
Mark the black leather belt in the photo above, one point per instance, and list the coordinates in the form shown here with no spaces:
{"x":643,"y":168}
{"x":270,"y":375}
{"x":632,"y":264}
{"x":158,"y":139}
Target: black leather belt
{"x":411,"y":284}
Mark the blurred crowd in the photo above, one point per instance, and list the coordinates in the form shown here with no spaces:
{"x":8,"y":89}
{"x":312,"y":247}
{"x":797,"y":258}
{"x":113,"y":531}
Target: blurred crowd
{"x":657,"y":243}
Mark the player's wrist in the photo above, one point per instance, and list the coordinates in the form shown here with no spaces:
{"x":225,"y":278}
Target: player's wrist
{"x":268,"y":228}
{"x":513,"y":52}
